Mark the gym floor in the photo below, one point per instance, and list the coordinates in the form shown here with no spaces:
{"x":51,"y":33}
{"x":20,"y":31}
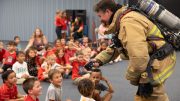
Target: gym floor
{"x":115,"y":73}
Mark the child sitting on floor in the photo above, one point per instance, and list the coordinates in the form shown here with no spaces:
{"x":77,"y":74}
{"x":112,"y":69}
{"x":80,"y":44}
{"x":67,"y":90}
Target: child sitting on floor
{"x":96,"y":77}
{"x":57,"y":45}
{"x":49,"y":63}
{"x":32,"y":87}
{"x":49,"y":51}
{"x":103,"y":46}
{"x":33,"y":61}
{"x":61,"y":60}
{"x":86,"y":89}
{"x":69,"y":52}
{"x":78,"y":70}
{"x":8,"y":90}
{"x":9,"y":58}
{"x":20,"y":68}
{"x":17,"y":40}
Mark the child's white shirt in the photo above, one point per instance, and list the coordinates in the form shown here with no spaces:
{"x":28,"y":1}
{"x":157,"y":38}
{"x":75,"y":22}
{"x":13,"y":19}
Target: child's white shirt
{"x":86,"y":99}
{"x":20,"y":69}
{"x":54,"y":66}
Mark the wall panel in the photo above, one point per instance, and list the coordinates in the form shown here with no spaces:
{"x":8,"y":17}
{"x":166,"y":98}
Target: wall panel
{"x":21,"y":17}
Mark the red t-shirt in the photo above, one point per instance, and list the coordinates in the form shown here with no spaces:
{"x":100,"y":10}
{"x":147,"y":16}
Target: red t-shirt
{"x":29,"y":98}
{"x":64,"y":26}
{"x":38,"y":61}
{"x":10,"y":58}
{"x":58,"y":22}
{"x":75,"y":70}
{"x":63,"y":46}
{"x":40,"y":73}
{"x":8,"y":93}
{"x":60,"y":61}
{"x":68,"y":54}
{"x":2,"y":52}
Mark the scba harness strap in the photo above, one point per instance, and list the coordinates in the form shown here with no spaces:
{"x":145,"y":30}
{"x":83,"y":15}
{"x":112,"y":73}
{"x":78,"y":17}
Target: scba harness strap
{"x":146,"y":89}
{"x":159,"y":54}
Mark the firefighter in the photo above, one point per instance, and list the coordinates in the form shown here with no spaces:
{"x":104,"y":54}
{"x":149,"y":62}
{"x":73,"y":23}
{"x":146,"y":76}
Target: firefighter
{"x":142,"y":43}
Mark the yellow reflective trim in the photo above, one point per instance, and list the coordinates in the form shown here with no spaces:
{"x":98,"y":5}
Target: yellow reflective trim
{"x":104,"y":56}
{"x":161,"y":80}
{"x":166,"y":76}
{"x":158,"y":34}
{"x":152,"y":30}
{"x":162,"y":75}
{"x":165,"y":71}
{"x":155,"y":32}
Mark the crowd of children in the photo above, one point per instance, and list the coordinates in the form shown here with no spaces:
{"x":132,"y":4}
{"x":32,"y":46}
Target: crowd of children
{"x":64,"y":59}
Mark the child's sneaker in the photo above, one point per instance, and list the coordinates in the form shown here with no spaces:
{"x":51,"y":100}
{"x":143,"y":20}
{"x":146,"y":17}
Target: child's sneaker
{"x":117,"y":60}
{"x":111,"y":62}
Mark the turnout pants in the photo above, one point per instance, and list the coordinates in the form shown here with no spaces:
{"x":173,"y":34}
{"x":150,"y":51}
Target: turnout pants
{"x":157,"y":95}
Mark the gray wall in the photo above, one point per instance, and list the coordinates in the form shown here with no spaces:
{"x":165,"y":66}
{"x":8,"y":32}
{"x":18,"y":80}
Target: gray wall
{"x":21,"y":17}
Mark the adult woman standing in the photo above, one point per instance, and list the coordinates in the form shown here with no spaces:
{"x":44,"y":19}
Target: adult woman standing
{"x":65,"y":25}
{"x":38,"y":40}
{"x":77,"y":28}
{"x":58,"y":23}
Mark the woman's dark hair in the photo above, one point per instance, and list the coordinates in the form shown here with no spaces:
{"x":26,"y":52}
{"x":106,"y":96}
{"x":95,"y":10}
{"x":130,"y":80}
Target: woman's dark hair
{"x":86,"y":87}
{"x":6,"y":74}
{"x":79,"y":20}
